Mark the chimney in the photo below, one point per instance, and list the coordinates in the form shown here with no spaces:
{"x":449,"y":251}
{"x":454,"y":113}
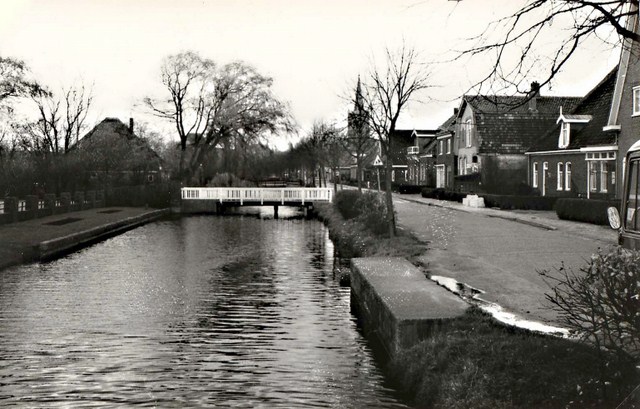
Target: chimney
{"x":131,"y":125}
{"x":533,"y":96}
{"x":455,"y":111}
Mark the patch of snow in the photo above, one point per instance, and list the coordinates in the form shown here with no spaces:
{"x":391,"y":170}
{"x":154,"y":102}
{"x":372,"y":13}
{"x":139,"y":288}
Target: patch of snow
{"x":511,"y":319}
{"x":496,"y":310}
{"x":448,"y":283}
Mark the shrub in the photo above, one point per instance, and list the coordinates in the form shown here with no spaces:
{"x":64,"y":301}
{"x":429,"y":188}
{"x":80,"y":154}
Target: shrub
{"x":372,"y":212}
{"x":600,"y":305}
{"x":345,"y":201}
{"x":409,"y":189}
{"x":442,"y":194}
{"x":509,"y":202}
{"x":585,"y":210}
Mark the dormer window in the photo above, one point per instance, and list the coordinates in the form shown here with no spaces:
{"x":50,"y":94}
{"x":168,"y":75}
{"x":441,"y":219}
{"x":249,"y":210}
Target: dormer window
{"x":563,"y":141}
{"x":578,"y":121}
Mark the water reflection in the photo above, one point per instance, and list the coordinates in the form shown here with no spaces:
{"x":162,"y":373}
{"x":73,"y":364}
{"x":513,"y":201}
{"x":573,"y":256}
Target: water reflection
{"x":200,"y":311}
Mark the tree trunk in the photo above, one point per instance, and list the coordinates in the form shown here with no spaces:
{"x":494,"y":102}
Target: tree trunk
{"x":391,"y":218}
{"x":359,"y":172}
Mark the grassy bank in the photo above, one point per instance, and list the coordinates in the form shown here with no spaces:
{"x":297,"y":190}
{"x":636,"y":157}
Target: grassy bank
{"x":476,"y":362}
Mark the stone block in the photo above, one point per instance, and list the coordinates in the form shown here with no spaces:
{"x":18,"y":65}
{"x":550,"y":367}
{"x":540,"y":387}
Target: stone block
{"x":398,"y":304}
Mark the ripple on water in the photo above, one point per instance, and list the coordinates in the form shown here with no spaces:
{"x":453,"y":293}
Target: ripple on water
{"x":202,"y":311}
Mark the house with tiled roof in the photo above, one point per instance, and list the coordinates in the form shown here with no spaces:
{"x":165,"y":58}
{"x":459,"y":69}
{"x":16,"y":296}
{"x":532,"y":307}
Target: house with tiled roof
{"x":576,"y":158}
{"x":113,"y":155}
{"x":494,"y":132}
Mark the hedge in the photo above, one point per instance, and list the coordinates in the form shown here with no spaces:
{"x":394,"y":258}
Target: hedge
{"x":442,"y":194}
{"x":409,"y":189}
{"x":585,"y":210}
{"x":511,"y":202}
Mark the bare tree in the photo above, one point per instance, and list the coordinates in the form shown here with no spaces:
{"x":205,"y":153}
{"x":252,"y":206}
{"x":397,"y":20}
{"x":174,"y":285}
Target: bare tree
{"x":386,"y":93}
{"x":211,"y":105}
{"x":527,"y":31}
{"x":60,"y":120}
{"x":189,"y":80}
{"x":245,"y":111}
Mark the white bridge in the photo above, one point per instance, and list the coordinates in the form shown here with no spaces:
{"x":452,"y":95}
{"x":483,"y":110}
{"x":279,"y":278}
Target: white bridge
{"x":292,"y":196}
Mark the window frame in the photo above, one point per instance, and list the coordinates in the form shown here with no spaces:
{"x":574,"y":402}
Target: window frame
{"x":604,"y":177}
{"x":534,"y":172}
{"x":560,"y":176}
{"x":592,"y":174}
{"x":635,"y":101}
{"x":567,"y":176}
{"x":565,"y":131}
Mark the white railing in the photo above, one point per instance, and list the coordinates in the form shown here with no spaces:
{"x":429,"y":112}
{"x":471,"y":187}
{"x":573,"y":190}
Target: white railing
{"x":259,"y":195}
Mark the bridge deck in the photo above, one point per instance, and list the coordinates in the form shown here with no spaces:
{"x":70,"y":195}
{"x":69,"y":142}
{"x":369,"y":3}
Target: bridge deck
{"x":259,"y":195}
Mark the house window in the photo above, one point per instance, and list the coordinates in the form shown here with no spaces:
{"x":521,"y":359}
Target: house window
{"x":449,"y":145}
{"x":463,"y":166}
{"x":467,"y":133}
{"x":560,"y":174}
{"x":440,"y":147}
{"x":604,"y":176}
{"x":563,"y":142}
{"x":534,"y":172}
{"x":636,"y":100}
{"x":593,"y":177}
{"x":567,"y":176}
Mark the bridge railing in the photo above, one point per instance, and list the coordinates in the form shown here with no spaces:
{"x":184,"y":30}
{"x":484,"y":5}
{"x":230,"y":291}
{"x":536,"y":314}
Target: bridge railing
{"x":260,"y":195}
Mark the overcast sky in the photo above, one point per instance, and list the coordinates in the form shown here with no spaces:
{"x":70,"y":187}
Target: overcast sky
{"x":314,"y":50}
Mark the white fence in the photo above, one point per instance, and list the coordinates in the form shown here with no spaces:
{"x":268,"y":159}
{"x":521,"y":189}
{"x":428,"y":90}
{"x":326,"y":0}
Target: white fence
{"x":260,"y":195}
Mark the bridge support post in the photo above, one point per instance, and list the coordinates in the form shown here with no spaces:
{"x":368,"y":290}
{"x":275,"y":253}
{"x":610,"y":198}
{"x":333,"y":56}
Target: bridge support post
{"x":275,"y":211}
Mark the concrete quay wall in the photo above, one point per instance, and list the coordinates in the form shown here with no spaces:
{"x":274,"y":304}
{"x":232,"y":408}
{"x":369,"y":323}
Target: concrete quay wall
{"x":396,"y":304}
{"x":61,"y":245}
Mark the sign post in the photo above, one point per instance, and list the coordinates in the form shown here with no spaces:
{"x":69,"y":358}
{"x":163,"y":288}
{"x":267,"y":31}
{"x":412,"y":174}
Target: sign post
{"x":378,"y":163}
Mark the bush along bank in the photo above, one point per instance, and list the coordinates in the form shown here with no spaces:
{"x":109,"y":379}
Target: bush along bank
{"x":358,"y":227}
{"x":476,"y":362}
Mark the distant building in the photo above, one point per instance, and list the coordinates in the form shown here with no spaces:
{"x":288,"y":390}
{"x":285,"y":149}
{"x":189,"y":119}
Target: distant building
{"x":494,"y":132}
{"x":112,"y":155}
{"x":576,"y":158}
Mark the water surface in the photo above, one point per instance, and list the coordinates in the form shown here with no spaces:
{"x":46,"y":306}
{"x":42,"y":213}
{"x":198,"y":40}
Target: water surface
{"x":201,"y":311}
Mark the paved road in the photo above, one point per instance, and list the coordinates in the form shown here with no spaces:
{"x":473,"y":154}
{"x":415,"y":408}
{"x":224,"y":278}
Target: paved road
{"x":500,"y":257}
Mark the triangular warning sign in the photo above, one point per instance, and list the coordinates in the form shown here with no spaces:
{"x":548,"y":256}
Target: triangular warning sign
{"x":377,"y":161}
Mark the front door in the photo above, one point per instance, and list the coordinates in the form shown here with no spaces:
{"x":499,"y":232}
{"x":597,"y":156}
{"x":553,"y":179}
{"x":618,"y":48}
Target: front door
{"x":440,"y":175}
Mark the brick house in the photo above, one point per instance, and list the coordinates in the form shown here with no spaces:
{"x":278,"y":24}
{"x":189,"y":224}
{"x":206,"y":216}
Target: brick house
{"x":446,"y":148}
{"x":576,"y":158}
{"x":494,"y":132}
{"x":421,"y":157}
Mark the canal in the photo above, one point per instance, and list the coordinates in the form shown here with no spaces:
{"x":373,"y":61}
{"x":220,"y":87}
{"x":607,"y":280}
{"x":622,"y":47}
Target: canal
{"x":200,"y":311}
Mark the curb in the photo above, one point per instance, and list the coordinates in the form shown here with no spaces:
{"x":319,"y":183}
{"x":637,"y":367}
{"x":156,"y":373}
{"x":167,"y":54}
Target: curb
{"x":497,"y":216}
{"x":57,"y":247}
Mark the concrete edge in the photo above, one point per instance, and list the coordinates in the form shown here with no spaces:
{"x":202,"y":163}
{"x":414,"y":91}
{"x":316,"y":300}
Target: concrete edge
{"x":62,"y":245}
